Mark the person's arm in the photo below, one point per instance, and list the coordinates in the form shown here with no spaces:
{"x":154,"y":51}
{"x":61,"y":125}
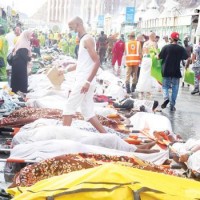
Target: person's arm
{"x":145,"y":48}
{"x":193,"y":58}
{"x":89,"y":44}
{"x":147,"y":151}
{"x":140,"y":50}
{"x":184,"y":158}
{"x":162,"y":53}
{"x":69,"y":68}
{"x":185,"y":55}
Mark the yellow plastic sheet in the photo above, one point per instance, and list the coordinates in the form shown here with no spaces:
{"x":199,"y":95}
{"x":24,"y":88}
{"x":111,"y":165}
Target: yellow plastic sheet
{"x":111,"y":182}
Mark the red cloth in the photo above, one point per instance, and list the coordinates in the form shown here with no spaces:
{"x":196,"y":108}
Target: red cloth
{"x":35,"y":42}
{"x":118,"y":51}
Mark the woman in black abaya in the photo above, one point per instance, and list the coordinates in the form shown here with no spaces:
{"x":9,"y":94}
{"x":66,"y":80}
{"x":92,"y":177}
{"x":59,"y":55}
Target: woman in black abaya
{"x":21,"y":57}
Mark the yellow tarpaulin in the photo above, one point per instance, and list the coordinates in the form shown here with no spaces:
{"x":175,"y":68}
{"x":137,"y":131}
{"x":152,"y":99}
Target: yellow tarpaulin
{"x":111,"y":182}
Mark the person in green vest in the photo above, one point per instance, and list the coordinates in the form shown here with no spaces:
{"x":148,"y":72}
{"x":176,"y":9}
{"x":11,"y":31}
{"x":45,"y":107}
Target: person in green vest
{"x":41,"y":38}
{"x":3,"y":54}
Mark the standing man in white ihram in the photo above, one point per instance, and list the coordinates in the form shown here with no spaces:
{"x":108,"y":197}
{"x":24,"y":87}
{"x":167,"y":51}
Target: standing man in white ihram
{"x":86,"y":68}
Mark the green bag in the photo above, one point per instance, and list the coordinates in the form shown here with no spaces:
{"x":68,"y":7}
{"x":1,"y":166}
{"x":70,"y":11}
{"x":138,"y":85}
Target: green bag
{"x":156,"y":67}
{"x":189,"y":76}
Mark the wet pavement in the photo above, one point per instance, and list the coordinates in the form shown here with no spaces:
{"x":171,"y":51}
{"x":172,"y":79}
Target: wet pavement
{"x":186,"y":119}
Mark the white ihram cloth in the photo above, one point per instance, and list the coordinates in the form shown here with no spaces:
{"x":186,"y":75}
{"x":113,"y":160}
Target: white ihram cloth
{"x":153,"y":122}
{"x":145,"y":80}
{"x":77,"y":99}
{"x":111,"y":141}
{"x":51,"y":148}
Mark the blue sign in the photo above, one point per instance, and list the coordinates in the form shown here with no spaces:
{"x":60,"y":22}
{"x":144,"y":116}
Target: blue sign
{"x":130,"y":15}
{"x":100,"y":21}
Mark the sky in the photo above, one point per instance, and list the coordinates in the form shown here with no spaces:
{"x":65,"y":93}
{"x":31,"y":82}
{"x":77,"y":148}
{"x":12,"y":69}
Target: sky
{"x":28,"y":7}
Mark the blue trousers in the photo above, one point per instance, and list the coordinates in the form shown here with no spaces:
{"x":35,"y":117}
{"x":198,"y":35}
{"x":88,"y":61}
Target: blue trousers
{"x":172,"y":83}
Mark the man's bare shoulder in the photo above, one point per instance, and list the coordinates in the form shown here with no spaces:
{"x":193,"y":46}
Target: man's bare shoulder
{"x":88,"y":40}
{"x":89,"y":37}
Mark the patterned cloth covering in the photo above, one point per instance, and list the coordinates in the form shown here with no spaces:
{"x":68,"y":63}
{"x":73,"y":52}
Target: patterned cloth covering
{"x":27,"y":115}
{"x":115,"y":124}
{"x":31,"y":174}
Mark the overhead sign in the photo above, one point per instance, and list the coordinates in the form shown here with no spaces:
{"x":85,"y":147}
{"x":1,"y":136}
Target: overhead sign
{"x":100,"y":21}
{"x":130,"y":15}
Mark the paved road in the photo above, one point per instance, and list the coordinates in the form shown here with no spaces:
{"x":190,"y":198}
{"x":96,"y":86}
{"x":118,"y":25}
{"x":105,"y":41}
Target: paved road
{"x":186,"y":119}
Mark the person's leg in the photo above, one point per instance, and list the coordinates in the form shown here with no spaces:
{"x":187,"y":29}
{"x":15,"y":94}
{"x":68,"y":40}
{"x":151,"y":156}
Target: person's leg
{"x":175,"y":88}
{"x":37,"y":51}
{"x":119,"y":60}
{"x":128,"y":75}
{"x":73,"y":102}
{"x":196,"y":80}
{"x":134,"y":80}
{"x":146,"y":146}
{"x":113,"y":141}
{"x":165,"y":87}
{"x":138,"y":73}
{"x":87,"y":109}
{"x":95,"y":122}
{"x":100,"y":54}
{"x":113,"y":60}
{"x":67,"y":120}
{"x":104,"y":54}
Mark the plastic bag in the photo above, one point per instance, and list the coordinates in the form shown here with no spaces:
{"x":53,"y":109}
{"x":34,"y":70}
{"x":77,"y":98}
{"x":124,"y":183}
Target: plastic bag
{"x":189,"y":76}
{"x":156,"y":68}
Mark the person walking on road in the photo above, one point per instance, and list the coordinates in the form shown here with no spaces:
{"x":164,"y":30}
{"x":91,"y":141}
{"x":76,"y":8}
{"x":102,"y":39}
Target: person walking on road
{"x":145,"y":84}
{"x":86,"y":68}
{"x":133,"y":52}
{"x":171,"y":56}
{"x":102,"y":46}
{"x":118,"y":51}
{"x":196,"y":69}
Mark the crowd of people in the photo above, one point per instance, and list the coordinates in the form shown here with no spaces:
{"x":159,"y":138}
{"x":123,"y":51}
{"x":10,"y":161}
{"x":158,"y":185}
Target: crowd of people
{"x":135,"y":53}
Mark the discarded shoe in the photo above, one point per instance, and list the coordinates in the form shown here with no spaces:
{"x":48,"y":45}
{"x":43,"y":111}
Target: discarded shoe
{"x":194,"y":91}
{"x":155,"y":105}
{"x":164,"y":105}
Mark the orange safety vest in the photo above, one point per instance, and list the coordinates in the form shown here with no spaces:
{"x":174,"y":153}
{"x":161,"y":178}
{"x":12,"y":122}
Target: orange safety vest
{"x":132,"y":53}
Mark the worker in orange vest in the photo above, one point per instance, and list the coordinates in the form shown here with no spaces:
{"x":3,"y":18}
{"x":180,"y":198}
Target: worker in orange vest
{"x":133,"y":51}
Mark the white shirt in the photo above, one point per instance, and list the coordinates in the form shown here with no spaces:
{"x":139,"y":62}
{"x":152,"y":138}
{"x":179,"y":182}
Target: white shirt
{"x":85,"y":63}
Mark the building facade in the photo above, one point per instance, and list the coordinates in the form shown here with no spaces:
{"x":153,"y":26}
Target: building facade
{"x":61,"y":11}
